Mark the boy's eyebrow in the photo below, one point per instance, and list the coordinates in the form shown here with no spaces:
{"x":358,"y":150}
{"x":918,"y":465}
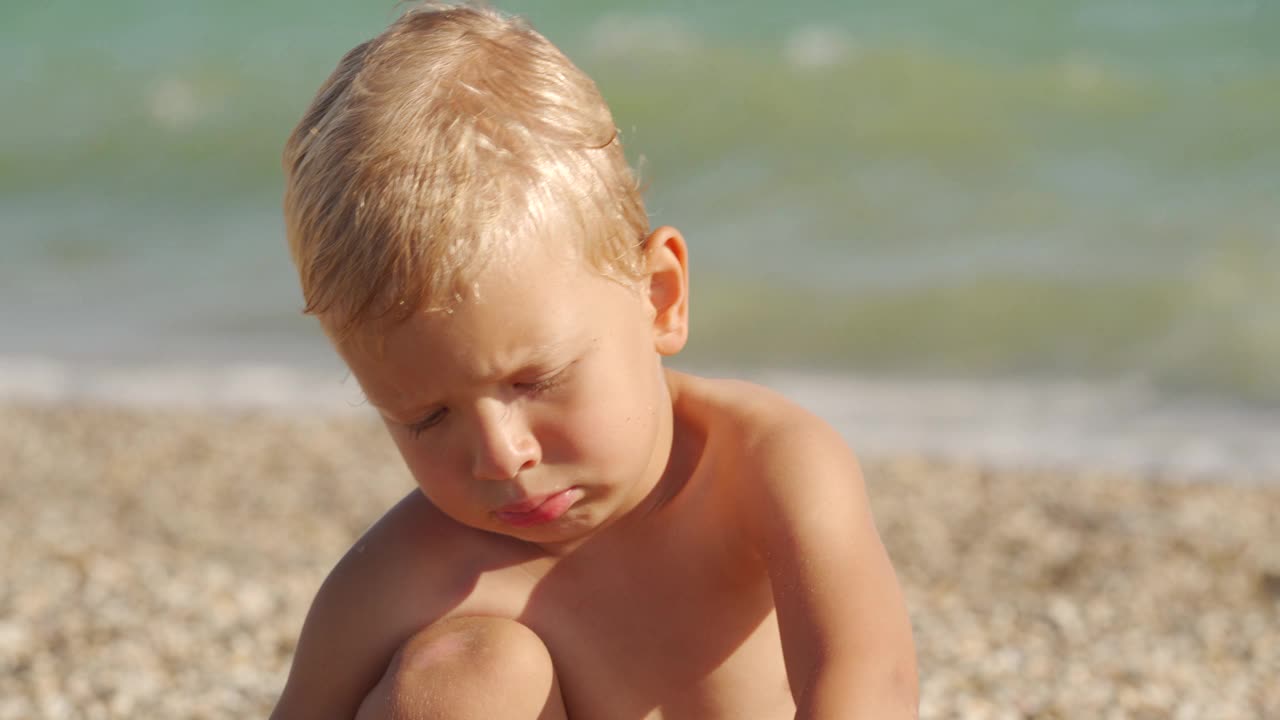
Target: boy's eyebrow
{"x":523,"y":359}
{"x":543,"y":354}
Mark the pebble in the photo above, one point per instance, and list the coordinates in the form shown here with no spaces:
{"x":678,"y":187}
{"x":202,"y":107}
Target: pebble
{"x":159,"y":564}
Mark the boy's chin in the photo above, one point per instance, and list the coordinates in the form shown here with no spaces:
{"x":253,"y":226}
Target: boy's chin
{"x":569,"y":531}
{"x":554,"y":533}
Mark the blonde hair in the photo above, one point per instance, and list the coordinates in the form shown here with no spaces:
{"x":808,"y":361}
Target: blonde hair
{"x":441,"y":142}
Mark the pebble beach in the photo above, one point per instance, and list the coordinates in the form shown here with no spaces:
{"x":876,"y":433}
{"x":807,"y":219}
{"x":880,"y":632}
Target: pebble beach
{"x":157,"y":563}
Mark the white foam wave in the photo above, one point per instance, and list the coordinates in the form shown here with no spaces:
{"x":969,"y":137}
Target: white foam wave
{"x":233,"y":386}
{"x":1122,"y":427}
{"x":1083,"y":426}
{"x":174,"y":104}
{"x":627,"y":34}
{"x":814,"y":46}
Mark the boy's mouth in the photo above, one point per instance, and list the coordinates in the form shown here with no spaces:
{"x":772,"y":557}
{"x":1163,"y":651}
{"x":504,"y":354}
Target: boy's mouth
{"x":539,"y":510}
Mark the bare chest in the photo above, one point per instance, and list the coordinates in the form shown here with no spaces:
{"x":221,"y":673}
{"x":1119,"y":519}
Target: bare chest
{"x":677,"y":630}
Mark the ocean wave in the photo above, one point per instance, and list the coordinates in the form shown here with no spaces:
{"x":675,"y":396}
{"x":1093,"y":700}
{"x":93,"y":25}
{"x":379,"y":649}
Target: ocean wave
{"x":633,"y":35}
{"x":1074,"y":425}
{"x":233,"y":386}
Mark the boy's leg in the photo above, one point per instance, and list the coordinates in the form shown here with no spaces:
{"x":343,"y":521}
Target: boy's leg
{"x":464,"y":668}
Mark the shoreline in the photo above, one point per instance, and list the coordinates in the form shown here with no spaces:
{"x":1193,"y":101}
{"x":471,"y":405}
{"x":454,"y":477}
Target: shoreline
{"x":1009,"y":425}
{"x":159,"y":563}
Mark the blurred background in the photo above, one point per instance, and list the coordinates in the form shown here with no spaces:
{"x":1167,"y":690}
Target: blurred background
{"x":1032,"y":231}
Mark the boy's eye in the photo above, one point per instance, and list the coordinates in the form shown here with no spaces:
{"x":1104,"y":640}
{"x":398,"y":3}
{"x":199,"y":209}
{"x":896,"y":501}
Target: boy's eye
{"x":428,"y":422}
{"x":545,"y":382}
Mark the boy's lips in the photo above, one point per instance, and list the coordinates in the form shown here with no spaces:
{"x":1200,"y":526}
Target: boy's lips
{"x":539,"y":510}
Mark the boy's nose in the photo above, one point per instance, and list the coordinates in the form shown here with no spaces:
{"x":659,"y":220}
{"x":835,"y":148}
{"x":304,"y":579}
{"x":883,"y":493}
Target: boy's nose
{"x":504,"y":445}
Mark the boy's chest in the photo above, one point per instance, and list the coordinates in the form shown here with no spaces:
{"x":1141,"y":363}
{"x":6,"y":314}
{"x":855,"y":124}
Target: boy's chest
{"x":681,"y":628}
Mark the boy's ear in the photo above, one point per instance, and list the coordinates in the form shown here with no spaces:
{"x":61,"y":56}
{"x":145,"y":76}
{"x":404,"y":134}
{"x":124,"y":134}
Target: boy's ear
{"x":667,"y":268}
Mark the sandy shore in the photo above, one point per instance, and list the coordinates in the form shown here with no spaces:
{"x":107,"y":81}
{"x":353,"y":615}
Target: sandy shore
{"x":158,"y":565}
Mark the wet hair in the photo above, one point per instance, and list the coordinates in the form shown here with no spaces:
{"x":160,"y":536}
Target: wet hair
{"x":439,"y":145}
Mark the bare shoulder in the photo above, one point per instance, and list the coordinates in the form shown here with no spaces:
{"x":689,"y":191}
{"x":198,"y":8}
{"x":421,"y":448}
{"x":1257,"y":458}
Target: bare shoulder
{"x":785,"y":465}
{"x":798,"y":499}
{"x":396,"y":579}
{"x":761,"y":424}
{"x":400,"y":564}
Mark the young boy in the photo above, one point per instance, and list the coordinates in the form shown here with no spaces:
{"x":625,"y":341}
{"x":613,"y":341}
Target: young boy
{"x":592,"y":536}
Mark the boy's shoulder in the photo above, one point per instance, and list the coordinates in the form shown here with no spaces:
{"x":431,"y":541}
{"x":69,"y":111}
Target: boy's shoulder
{"x":402,"y":574}
{"x":798,"y":498}
{"x":399,"y":536}
{"x":765,"y":440}
{"x":754,"y":422}
{"x":776,"y":462}
{"x":415,"y":552}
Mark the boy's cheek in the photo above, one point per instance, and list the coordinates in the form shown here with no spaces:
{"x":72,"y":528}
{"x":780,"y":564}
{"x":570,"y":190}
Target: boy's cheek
{"x":404,"y":442}
{"x":614,"y":431}
{"x":428,"y":470}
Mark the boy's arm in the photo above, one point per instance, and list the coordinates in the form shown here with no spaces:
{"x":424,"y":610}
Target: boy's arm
{"x":338,"y":658}
{"x":845,"y":632}
{"x":360,"y":617}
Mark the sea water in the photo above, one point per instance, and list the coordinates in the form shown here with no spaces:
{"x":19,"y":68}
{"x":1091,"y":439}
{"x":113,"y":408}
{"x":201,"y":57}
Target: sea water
{"x":916,"y":203}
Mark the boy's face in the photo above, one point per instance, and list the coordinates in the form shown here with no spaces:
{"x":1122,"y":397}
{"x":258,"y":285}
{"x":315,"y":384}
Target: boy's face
{"x":538,"y":408}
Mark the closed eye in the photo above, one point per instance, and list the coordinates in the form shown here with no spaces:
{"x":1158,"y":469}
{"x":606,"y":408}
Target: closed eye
{"x":546,"y":382}
{"x":434,"y":418}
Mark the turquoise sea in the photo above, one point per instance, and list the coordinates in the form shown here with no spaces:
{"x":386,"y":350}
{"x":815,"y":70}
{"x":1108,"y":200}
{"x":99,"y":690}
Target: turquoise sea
{"x":1040,"y":193}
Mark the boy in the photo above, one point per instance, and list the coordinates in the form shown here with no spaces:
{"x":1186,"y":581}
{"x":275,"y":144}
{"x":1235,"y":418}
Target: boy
{"x":592,"y":536}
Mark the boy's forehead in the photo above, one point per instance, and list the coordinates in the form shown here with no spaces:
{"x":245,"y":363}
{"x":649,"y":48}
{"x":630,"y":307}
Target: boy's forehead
{"x":529,"y":309}
{"x":434,"y":352}
{"x":448,"y":338}
{"x":510,"y":281}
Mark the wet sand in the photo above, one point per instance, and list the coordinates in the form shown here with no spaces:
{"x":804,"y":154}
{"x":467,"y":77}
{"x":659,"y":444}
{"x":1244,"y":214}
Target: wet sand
{"x":159,"y":564}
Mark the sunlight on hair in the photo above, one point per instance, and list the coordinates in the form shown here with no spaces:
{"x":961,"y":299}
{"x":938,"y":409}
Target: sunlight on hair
{"x":433,"y":149}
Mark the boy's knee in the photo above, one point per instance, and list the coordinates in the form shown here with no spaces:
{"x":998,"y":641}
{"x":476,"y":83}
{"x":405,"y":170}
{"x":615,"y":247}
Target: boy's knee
{"x":483,"y":646}
{"x":471,"y":667}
